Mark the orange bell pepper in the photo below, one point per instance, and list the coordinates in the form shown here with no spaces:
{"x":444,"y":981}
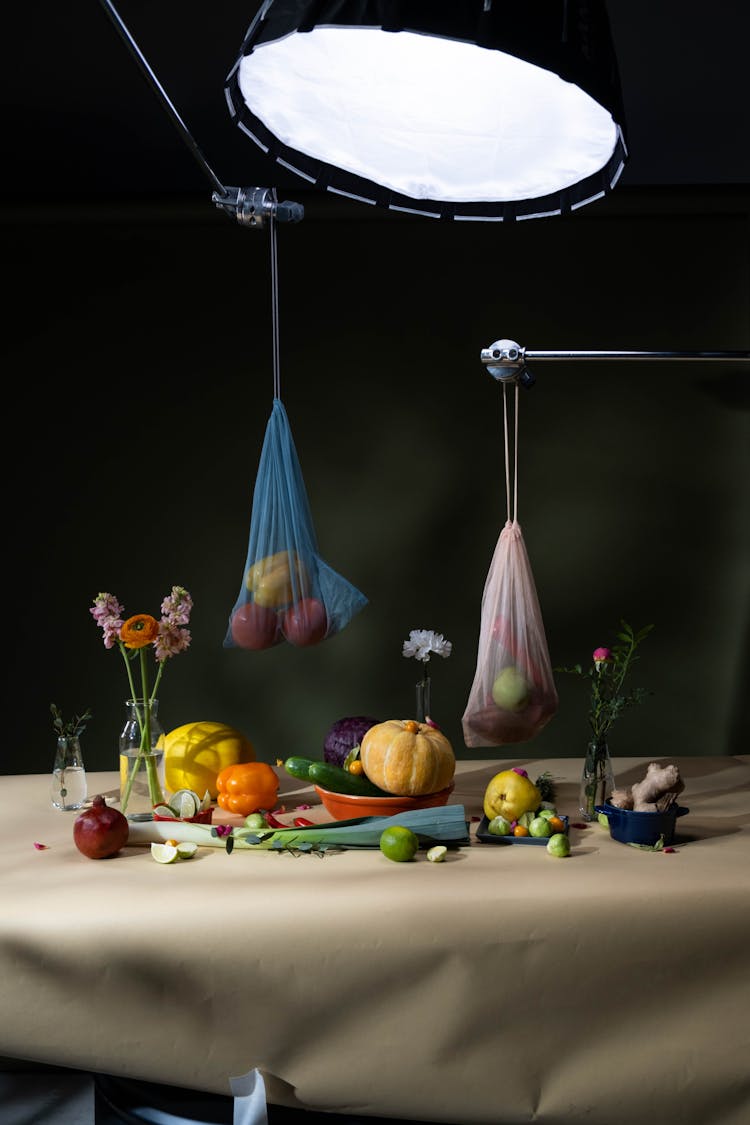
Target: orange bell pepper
{"x":247,"y":787}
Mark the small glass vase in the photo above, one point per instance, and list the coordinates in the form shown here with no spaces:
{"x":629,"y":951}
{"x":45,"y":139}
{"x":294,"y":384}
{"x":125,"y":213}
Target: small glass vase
{"x":141,"y":764}
{"x":423,"y":700}
{"x":68,"y":789}
{"x":597,"y":779}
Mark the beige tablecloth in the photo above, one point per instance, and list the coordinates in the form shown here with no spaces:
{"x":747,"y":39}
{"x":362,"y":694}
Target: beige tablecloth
{"x":501,"y":986}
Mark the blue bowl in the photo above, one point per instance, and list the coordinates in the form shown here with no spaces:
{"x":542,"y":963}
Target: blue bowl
{"x":630,"y":827}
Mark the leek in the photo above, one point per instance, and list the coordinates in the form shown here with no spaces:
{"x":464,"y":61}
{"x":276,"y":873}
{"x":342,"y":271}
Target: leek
{"x":445,"y":824}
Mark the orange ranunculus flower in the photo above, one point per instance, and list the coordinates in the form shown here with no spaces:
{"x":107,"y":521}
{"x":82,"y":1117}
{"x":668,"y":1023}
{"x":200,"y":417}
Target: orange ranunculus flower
{"x":139,"y":631}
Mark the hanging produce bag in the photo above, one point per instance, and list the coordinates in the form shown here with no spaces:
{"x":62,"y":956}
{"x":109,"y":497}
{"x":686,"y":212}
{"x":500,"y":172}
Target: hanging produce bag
{"x":288,"y":592}
{"x":513,"y":695}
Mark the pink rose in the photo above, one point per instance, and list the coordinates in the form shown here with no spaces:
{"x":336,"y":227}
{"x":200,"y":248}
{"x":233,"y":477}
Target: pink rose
{"x":601,"y":655}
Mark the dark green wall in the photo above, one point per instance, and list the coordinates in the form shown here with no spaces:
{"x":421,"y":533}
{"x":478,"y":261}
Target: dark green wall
{"x":138,"y":350}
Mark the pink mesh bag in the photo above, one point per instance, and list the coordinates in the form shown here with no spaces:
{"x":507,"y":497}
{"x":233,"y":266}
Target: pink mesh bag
{"x":513,"y":695}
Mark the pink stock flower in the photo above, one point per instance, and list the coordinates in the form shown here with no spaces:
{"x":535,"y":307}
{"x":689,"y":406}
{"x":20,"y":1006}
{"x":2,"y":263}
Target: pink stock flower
{"x":601,"y":655}
{"x":167,"y":637}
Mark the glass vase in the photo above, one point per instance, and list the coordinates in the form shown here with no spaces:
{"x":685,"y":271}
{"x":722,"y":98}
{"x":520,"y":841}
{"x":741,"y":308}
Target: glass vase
{"x":68,"y":789}
{"x":597,"y":779}
{"x":141,"y":764}
{"x":423,"y":700}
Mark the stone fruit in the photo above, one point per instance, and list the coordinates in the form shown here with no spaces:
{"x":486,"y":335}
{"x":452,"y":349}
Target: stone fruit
{"x":100,"y":831}
{"x":196,"y":753}
{"x":510,"y":793}
{"x":305,"y":623}
{"x":559,"y":845}
{"x":511,"y":690}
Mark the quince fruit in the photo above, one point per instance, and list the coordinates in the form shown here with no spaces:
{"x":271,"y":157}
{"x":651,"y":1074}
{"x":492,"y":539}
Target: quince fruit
{"x":511,"y":793}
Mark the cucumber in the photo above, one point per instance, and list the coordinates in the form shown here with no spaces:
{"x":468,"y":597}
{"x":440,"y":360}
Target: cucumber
{"x":299,"y":767}
{"x":338,"y":780}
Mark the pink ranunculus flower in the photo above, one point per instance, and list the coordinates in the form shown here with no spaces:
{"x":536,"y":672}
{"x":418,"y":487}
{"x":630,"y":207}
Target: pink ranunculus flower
{"x":601,"y":655}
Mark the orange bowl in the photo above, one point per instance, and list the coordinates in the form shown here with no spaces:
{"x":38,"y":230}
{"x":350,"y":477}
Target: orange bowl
{"x":343,"y":806}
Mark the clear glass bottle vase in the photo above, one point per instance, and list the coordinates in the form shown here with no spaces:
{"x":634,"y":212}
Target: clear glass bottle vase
{"x":597,"y":779}
{"x":68,"y":789}
{"x":422,"y":703}
{"x":141,"y":763}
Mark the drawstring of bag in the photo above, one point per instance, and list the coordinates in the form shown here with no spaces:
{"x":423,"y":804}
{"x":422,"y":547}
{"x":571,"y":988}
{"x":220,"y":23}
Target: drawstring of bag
{"x":511,"y":518}
{"x":275,"y":306}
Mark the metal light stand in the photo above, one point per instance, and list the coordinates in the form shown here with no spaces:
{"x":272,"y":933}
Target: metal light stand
{"x":506,"y":361}
{"x":251,"y":206}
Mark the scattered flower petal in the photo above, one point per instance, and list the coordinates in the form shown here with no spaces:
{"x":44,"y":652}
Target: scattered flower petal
{"x":519,"y":770}
{"x":303,"y":806}
{"x":580,"y":824}
{"x":670,"y":850}
{"x":41,"y":847}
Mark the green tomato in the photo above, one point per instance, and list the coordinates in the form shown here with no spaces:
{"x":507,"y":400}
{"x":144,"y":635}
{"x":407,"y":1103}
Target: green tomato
{"x":540,"y":826}
{"x":559,"y":845}
{"x":499,"y":826}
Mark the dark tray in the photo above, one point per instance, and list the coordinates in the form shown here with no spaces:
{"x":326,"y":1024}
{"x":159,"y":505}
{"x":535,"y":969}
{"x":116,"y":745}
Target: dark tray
{"x":486,"y":837}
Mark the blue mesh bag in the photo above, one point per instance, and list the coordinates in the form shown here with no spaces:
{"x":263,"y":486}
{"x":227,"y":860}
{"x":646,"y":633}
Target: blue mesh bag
{"x":288,"y":592}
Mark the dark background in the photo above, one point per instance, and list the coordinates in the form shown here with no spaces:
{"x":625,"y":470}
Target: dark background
{"x":138,"y":367}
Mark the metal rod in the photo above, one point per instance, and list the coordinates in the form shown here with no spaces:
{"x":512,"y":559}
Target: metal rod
{"x":162,"y":95}
{"x":608,"y":355}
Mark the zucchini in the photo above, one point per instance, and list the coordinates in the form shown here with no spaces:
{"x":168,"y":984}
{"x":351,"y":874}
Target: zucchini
{"x":338,"y":780}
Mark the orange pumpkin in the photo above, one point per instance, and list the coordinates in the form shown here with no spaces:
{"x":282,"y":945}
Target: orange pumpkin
{"x":407,"y":758}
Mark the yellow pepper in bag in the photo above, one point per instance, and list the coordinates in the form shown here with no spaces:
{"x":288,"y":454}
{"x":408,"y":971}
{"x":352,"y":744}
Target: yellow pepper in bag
{"x":247,"y":787}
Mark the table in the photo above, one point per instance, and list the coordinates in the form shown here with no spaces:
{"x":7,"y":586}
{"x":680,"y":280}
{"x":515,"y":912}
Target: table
{"x":500,"y":986}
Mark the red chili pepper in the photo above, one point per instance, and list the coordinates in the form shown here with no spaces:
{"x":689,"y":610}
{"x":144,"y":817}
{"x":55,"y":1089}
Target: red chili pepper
{"x":303,"y":822}
{"x":272,"y":821}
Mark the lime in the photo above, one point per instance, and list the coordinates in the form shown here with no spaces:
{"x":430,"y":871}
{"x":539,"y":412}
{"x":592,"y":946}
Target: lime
{"x":185,"y":803}
{"x":399,"y":843}
{"x":539,"y":826}
{"x":559,"y":845}
{"x":499,"y":826}
{"x":437,"y":853}
{"x":164,"y":853}
{"x":186,"y":850}
{"x":164,"y":810}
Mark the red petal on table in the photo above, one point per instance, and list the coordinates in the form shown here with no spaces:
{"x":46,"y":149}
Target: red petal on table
{"x":41,"y":847}
{"x":303,"y":806}
{"x":580,"y":825}
{"x":669,"y":851}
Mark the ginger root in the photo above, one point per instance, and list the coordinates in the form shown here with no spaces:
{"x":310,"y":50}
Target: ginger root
{"x":657,"y":792}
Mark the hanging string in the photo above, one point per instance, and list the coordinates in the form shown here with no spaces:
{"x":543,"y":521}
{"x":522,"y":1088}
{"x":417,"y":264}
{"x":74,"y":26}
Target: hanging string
{"x":275,"y":306}
{"x":511,"y":518}
{"x":507,"y":461}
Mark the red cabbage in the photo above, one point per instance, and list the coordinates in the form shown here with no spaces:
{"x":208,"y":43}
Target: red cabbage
{"x":343,"y":736}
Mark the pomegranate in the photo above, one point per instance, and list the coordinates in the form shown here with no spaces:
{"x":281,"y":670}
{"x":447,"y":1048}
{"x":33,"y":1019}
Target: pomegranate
{"x":100,"y":831}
